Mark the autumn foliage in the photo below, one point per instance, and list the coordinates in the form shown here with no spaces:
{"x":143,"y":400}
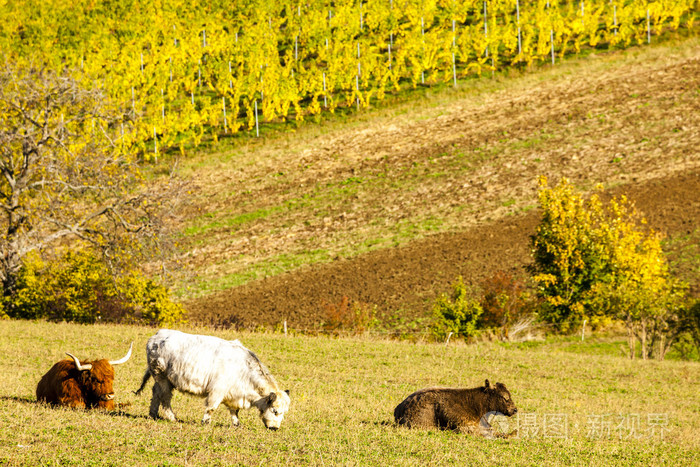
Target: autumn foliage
{"x":185,"y":69}
{"x":595,"y":260}
{"x":79,"y":287}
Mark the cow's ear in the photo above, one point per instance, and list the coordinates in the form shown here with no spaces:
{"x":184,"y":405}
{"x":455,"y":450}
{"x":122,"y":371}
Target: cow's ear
{"x":272,"y":397}
{"x":287,"y":391}
{"x":486,"y":385}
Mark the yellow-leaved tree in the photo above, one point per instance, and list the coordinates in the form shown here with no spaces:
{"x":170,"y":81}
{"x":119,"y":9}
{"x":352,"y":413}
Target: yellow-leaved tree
{"x":635,"y":285}
{"x":68,"y":182}
{"x":594,"y":260}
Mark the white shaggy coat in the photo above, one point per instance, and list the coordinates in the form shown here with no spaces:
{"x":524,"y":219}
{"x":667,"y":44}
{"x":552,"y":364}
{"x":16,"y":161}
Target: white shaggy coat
{"x":219,"y":370}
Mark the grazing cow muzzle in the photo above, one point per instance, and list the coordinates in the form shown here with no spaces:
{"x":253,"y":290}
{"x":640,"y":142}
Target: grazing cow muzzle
{"x":107,"y":397}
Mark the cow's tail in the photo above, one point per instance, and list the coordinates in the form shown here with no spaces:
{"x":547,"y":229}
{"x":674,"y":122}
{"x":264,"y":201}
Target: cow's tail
{"x":146,"y":377}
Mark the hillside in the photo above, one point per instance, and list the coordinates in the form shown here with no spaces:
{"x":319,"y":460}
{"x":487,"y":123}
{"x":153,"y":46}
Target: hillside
{"x":388,"y":207}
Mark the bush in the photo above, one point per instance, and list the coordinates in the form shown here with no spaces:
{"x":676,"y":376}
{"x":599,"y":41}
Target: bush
{"x":568,"y":257}
{"x":349,"y":316}
{"x":80,"y":288}
{"x":457,"y":314}
{"x":508,"y":307}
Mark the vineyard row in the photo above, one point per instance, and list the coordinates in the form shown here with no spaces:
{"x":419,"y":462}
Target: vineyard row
{"x":182,"y":70}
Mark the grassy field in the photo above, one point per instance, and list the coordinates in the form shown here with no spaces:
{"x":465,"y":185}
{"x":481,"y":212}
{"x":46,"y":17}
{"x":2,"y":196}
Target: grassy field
{"x":570,"y":396}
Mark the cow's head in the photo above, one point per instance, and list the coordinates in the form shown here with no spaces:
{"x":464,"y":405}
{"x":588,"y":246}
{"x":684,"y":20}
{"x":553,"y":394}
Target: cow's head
{"x":273,"y":408}
{"x":499,"y":399}
{"x":97,"y":379}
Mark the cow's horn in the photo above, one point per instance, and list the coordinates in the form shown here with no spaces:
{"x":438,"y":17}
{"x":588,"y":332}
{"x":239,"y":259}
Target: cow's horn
{"x":122,"y":360}
{"x":80,"y":367}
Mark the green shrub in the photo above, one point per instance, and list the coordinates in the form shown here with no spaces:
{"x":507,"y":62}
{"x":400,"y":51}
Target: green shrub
{"x":457,"y":314}
{"x":79,"y":287}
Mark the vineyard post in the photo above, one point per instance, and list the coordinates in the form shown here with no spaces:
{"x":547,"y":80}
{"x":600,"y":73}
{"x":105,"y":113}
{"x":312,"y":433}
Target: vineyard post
{"x":359,"y":67}
{"x":296,"y":48}
{"x":325,"y":100}
{"x":142,"y":63}
{"x":614,"y":19}
{"x":223,"y":100}
{"x":257,"y":131}
{"x":192,"y":96}
{"x":583,"y":23}
{"x":171,"y":69}
{"x":357,"y":88}
{"x":551,"y":38}
{"x":204,"y":38}
{"x":648,"y":28}
{"x":362,"y":25}
{"x":454,"y":70}
{"x":155,"y":144}
{"x":389,"y":49}
{"x":162,"y":95}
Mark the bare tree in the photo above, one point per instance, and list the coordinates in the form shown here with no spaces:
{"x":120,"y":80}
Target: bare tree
{"x":64,"y":174}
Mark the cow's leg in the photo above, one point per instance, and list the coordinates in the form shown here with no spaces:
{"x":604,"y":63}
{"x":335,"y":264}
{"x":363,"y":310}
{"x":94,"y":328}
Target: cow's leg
{"x":73,"y":403}
{"x":155,"y":401}
{"x":211,"y":403}
{"x":162,"y":396}
{"x":234,"y":413}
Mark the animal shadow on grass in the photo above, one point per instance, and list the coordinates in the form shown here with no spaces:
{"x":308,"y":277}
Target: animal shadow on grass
{"x":495,"y":434}
{"x":114,"y":413}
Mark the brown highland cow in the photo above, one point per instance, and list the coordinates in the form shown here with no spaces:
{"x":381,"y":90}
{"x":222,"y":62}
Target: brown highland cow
{"x":83,"y":385}
{"x":458,"y":409}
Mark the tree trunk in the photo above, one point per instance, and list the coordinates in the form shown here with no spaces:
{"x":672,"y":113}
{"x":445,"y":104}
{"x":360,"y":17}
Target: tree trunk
{"x":10,"y":265}
{"x":643,"y":339}
{"x":630,"y":338}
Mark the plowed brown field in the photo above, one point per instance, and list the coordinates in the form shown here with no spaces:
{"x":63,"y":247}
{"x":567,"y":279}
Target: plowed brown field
{"x":631,"y":123}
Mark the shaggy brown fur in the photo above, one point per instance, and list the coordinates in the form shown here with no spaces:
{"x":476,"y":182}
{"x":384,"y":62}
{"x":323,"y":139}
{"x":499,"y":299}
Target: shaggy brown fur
{"x":453,"y":408}
{"x":64,"y":385}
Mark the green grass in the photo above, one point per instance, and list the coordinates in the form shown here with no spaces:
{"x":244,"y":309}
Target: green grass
{"x":343,"y":392}
{"x":276,"y":265}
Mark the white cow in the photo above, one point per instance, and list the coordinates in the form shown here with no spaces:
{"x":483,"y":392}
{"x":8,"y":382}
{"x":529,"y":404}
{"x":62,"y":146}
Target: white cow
{"x":222,"y":371}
